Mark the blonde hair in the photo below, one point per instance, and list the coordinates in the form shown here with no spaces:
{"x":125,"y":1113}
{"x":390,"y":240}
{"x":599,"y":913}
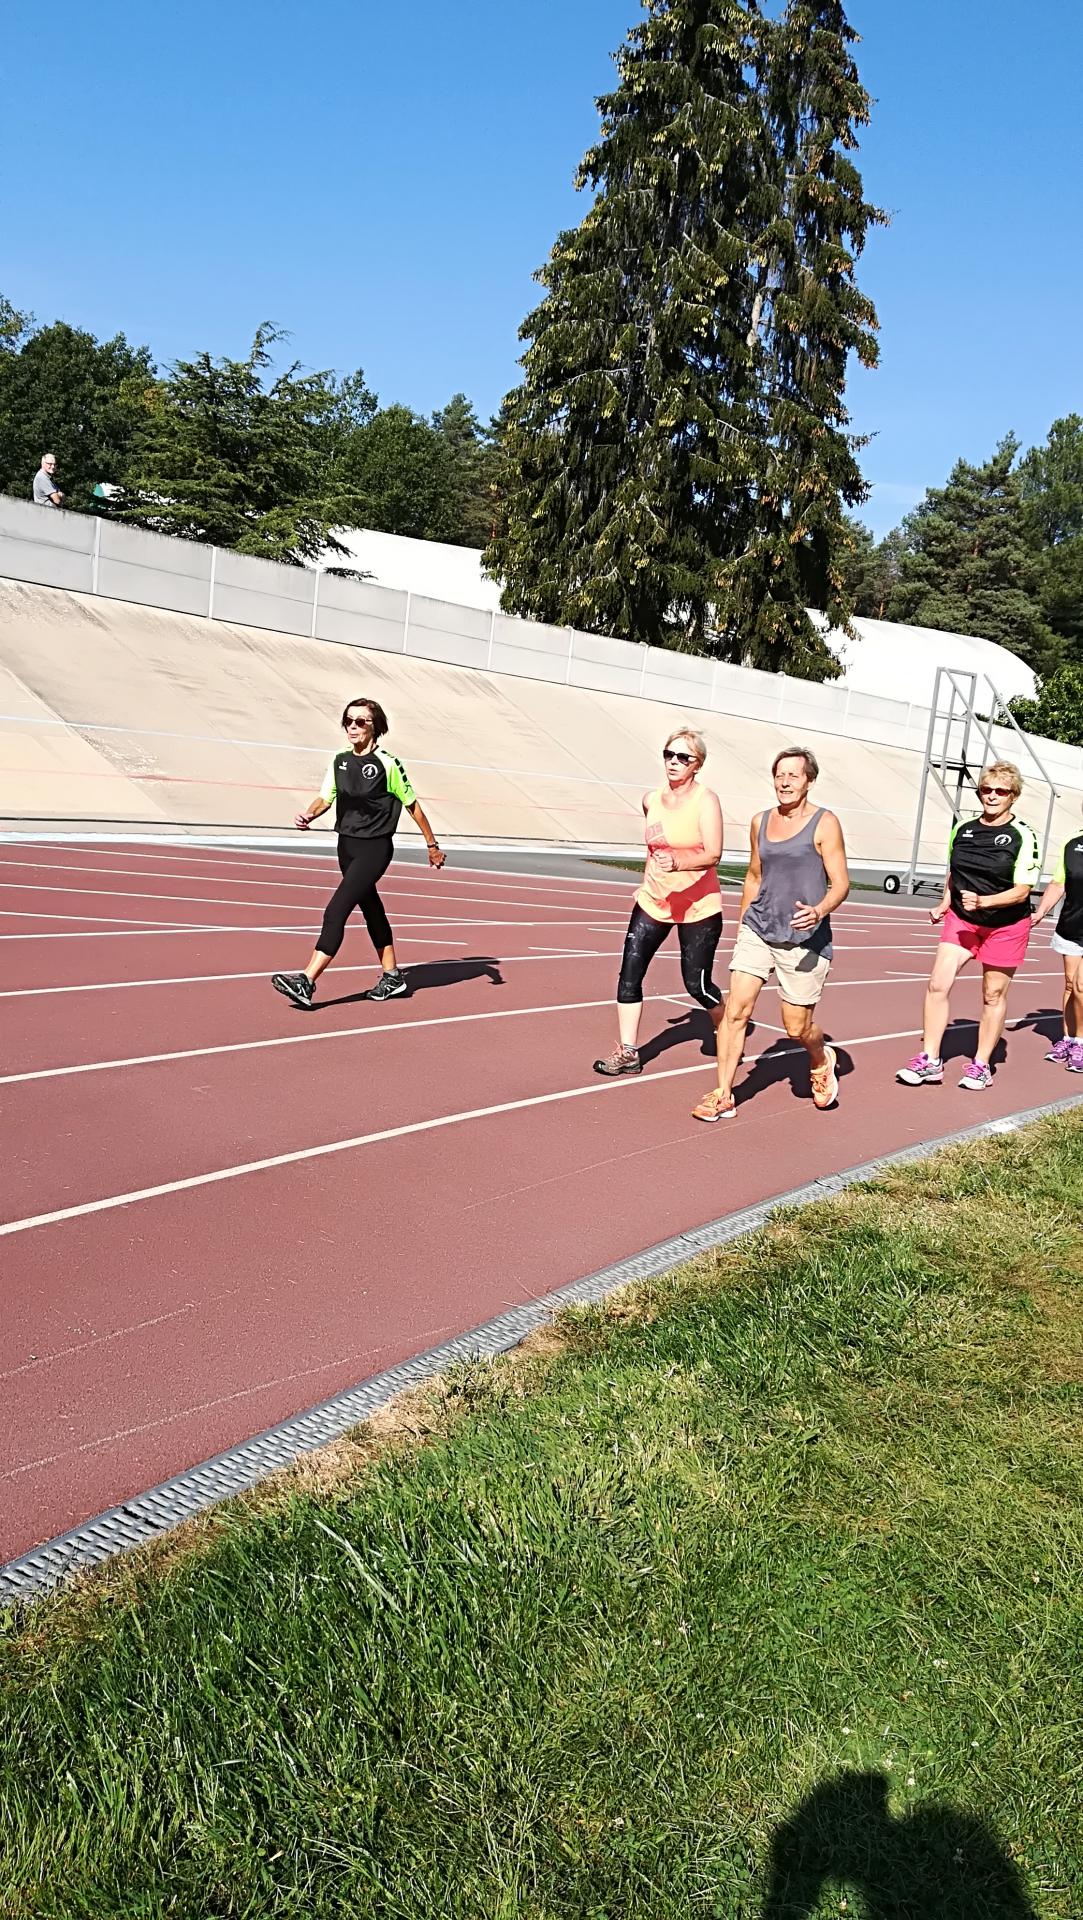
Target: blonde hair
{"x":1015,"y":778}
{"x":694,"y":739}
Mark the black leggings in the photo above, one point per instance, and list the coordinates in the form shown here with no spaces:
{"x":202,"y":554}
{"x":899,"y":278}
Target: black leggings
{"x":362,"y":862}
{"x":698,"y":938}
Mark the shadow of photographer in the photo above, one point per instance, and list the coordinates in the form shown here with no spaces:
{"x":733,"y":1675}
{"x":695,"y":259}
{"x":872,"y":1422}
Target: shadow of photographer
{"x":935,"y":1863}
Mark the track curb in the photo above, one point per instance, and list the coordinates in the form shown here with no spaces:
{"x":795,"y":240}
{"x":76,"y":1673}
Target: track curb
{"x":151,"y":1514}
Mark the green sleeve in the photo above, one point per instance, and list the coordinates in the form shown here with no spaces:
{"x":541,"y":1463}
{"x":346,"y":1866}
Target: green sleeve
{"x":1059,"y":875}
{"x":1028,"y":865}
{"x":398,"y":781}
{"x":329,"y":789}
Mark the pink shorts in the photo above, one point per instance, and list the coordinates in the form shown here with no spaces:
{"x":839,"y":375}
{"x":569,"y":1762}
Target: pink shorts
{"x":1002,"y":947}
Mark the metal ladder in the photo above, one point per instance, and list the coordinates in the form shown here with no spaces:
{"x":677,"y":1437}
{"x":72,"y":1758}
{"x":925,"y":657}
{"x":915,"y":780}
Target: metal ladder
{"x":960,"y":743}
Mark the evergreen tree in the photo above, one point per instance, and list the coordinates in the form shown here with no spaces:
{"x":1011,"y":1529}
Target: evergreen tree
{"x":64,"y":392}
{"x":808,"y":318}
{"x":677,"y":455}
{"x":871,"y":570}
{"x":472,"y":470}
{"x":969,"y":565}
{"x":1051,"y":479}
{"x":626,"y":448}
{"x":238,"y":459}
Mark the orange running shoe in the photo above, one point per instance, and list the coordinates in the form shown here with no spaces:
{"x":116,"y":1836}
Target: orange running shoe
{"x":715,"y":1105}
{"x":825,"y":1081}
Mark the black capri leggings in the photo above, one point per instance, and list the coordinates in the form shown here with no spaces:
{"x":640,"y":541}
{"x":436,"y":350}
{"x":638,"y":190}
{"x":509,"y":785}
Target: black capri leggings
{"x":362,"y":862}
{"x":699,"y":940}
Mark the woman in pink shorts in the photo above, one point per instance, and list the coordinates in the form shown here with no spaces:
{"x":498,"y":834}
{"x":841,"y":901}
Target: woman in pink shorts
{"x":993,"y":864}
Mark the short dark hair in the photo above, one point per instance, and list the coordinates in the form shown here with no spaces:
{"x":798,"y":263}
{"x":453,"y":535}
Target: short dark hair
{"x":379,"y":717}
{"x":812,"y":765}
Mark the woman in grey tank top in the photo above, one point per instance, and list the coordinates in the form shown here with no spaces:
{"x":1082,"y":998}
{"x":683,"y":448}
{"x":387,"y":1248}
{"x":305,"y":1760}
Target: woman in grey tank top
{"x":796,"y":876}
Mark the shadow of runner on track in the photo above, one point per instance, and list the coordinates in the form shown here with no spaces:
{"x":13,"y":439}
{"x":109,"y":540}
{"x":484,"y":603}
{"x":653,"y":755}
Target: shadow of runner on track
{"x":786,"y":1059}
{"x":428,"y":973}
{"x":936,"y":1863}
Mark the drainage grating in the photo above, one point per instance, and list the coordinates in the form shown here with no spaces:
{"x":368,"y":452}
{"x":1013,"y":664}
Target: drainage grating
{"x":154,"y":1513}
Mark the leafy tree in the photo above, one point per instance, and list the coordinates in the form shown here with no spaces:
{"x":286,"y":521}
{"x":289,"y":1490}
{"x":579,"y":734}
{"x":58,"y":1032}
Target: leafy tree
{"x":969,"y":565}
{"x":1057,"y":713}
{"x":15,"y":327}
{"x":235,"y":457}
{"x":808,"y":318}
{"x":64,"y":392}
{"x":626,"y":447}
{"x":402,"y":476}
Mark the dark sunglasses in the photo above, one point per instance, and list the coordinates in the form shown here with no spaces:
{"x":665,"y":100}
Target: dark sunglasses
{"x":987,"y":793}
{"x":355,"y":720}
{"x":682,"y":759}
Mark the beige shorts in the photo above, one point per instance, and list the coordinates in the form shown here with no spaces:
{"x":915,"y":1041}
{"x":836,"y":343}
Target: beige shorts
{"x":800,"y":972}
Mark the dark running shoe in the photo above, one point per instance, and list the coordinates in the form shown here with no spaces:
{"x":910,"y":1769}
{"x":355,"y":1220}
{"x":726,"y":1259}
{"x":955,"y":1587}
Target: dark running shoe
{"x":387,"y":986}
{"x":296,"y":987}
{"x":621,"y":1060}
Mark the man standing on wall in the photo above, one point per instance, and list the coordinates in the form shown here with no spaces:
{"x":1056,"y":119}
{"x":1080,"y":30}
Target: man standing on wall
{"x":46,"y":491}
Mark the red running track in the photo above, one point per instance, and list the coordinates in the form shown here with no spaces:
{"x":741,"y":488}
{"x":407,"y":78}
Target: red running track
{"x":219,"y":1210}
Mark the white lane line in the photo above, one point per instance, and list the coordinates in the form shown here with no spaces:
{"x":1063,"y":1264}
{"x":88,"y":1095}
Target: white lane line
{"x":220,"y":1174}
{"x":307,"y":1039}
{"x":391,"y":886}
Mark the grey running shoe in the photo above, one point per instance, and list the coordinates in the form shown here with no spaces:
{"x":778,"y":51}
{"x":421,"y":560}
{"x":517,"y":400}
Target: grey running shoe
{"x":296,"y":987}
{"x":387,"y":986}
{"x":621,"y":1060}
{"x":977,"y":1077}
{"x":921,"y":1071}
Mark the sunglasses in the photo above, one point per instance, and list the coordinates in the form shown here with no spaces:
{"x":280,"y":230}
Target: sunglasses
{"x":356,"y":720}
{"x":989,"y":793}
{"x":682,"y":759}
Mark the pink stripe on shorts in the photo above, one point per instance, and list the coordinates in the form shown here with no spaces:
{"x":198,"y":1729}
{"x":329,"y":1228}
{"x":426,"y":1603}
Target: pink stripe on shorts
{"x":994,"y":946}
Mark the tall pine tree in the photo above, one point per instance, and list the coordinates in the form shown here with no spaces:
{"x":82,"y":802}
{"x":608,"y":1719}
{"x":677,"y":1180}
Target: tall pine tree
{"x":625,"y":447}
{"x":677,"y":458}
{"x":808,"y":318}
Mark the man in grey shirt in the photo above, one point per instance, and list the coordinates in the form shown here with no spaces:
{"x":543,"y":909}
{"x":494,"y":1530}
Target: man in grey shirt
{"x":46,"y":491}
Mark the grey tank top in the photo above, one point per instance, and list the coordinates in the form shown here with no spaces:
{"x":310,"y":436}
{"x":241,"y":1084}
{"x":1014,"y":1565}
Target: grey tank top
{"x":791,"y":870}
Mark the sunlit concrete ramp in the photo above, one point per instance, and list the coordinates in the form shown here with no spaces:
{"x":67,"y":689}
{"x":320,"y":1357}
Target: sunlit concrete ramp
{"x":118,"y":713}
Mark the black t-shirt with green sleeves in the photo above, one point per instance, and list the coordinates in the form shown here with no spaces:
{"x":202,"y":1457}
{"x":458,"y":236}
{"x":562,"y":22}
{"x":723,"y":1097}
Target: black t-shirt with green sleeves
{"x":1070,"y":874}
{"x":369,"y":791}
{"x":986,"y":860}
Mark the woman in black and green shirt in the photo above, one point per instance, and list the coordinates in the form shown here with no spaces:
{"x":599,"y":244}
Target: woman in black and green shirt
{"x":1067,"y":885}
{"x":368,"y":788}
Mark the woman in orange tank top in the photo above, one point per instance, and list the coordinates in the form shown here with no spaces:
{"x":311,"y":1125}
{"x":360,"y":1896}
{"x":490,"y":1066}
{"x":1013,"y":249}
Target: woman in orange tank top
{"x":683,"y":832}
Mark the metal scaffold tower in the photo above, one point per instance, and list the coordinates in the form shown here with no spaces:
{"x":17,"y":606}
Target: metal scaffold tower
{"x":966,"y":708}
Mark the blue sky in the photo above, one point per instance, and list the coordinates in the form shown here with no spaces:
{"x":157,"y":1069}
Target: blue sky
{"x":384,"y":181}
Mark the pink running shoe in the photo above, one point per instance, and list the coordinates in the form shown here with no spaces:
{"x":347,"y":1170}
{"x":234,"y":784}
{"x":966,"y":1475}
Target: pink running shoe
{"x":921,"y":1072}
{"x":1074,"y":1062}
{"x":1060,"y":1052}
{"x":977,"y":1077}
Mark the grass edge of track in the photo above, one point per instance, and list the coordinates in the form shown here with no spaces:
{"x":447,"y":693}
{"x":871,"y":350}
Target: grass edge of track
{"x":803,"y":1514}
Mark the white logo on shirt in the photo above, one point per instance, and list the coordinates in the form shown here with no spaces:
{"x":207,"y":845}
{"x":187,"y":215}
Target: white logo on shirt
{"x":1003,"y":840}
{"x":369,"y":772}
{"x":966,"y":834}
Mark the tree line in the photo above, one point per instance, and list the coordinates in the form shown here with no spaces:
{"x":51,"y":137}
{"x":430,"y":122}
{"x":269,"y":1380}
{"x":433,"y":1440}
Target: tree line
{"x":997,"y":551}
{"x":233,"y":452}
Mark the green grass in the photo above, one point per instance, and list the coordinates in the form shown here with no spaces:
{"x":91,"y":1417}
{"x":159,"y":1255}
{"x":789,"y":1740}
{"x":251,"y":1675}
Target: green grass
{"x":754,"y":1592}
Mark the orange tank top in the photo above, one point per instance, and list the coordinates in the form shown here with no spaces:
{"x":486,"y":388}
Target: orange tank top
{"x":677,"y":897}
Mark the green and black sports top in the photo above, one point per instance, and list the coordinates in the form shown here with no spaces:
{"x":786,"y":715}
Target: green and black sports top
{"x":1070,"y":875}
{"x":985,"y":859}
{"x":369,"y":791}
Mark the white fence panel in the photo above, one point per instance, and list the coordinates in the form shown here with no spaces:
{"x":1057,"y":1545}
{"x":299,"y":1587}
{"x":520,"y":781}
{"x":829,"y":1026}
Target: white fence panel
{"x":262,"y":593}
{"x":359,"y":615}
{"x":153,"y":570}
{"x":457,"y":635}
{"x":47,"y":545}
{"x":529,"y":650}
